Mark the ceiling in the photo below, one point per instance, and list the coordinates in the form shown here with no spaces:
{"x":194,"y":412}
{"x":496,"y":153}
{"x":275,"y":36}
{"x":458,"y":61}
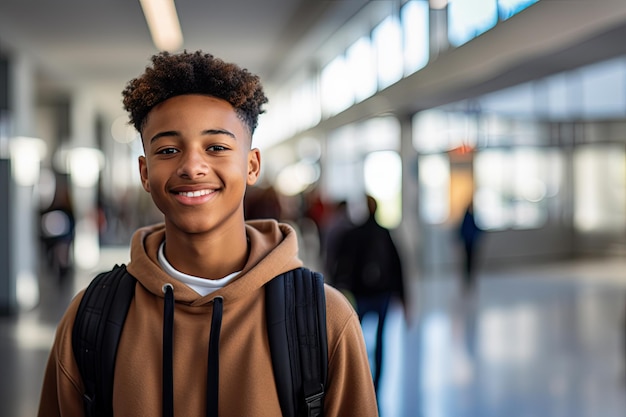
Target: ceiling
{"x":100,"y":45}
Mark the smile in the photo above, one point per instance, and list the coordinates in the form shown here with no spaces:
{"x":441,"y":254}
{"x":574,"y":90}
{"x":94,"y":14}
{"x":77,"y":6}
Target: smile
{"x":198,"y":193}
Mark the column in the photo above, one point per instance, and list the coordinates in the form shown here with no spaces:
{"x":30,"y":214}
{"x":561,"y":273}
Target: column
{"x":20,"y":287}
{"x":84,"y":162}
{"x":410,"y":228}
{"x":7,"y":282}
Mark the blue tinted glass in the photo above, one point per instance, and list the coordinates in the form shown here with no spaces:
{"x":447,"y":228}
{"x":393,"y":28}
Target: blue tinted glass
{"x":470,"y":18}
{"x":508,"y":8}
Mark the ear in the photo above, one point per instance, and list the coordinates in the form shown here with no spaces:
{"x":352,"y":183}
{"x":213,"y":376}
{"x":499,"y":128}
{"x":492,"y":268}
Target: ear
{"x":254,"y":165}
{"x":143,"y":173}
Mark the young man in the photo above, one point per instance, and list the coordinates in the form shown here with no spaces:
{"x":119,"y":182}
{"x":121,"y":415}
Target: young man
{"x":196,"y":115}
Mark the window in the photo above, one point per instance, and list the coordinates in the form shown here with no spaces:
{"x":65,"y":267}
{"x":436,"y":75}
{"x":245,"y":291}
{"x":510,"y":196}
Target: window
{"x":469,"y":18}
{"x":342,"y":170}
{"x":362,"y":68}
{"x":508,"y":8}
{"x":512,"y":186}
{"x":430,"y":131}
{"x":434,"y":183}
{"x":415,"y":28}
{"x":437,"y":130}
{"x":336,"y":90}
{"x":387,"y":40}
{"x":382,"y":172}
{"x":363,"y":158}
{"x":603,"y":87}
{"x":600,"y":188}
{"x":305,"y":107}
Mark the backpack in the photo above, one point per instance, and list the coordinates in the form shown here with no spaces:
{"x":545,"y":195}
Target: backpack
{"x":296,"y":326}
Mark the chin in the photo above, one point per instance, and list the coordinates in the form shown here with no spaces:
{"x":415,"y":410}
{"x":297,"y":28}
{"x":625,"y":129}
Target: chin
{"x":191,"y":228}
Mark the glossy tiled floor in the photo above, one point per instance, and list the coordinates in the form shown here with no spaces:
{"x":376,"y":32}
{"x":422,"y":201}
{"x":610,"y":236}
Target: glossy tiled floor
{"x":536,"y":342}
{"x":543,"y":341}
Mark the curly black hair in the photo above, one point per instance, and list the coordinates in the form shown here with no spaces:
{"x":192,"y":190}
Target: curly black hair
{"x":194,"y":73}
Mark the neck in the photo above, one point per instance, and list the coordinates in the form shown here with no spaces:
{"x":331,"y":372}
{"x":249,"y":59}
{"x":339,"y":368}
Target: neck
{"x":207,"y":256}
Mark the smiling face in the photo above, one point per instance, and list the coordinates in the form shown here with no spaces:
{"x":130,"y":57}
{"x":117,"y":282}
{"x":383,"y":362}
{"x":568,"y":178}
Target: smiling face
{"x":197,"y":163}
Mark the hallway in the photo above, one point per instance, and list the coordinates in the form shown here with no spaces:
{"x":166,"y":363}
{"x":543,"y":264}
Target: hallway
{"x":544,"y":341}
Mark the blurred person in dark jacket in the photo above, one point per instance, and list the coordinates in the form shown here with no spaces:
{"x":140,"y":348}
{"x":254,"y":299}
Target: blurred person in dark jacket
{"x":367,"y":267}
{"x":470,"y":235}
{"x":338,"y":224}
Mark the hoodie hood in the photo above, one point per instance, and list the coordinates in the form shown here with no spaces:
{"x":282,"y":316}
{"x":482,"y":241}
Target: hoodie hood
{"x":273,"y":250}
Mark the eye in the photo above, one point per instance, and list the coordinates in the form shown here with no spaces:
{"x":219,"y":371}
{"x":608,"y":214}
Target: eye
{"x":167,"y":151}
{"x":216,"y":148}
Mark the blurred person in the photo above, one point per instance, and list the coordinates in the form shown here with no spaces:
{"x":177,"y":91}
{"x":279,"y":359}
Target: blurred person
{"x":57,"y":228}
{"x":262,"y":203}
{"x":316,"y":209}
{"x":368,"y":267}
{"x":338,"y":223}
{"x":202,"y":273}
{"x":470,"y":235}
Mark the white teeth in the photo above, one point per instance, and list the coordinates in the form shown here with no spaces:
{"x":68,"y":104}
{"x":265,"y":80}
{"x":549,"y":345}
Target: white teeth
{"x":195,"y":193}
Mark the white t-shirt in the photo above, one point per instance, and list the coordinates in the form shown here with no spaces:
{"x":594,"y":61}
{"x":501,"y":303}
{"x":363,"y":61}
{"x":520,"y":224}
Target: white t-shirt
{"x":202,"y":286}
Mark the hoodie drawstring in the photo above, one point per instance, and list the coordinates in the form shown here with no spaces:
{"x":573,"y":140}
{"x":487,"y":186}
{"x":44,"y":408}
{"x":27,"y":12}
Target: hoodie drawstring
{"x":168,"y":337}
{"x":213,"y":374}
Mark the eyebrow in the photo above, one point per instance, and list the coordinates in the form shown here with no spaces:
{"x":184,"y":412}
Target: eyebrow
{"x":210,"y":132}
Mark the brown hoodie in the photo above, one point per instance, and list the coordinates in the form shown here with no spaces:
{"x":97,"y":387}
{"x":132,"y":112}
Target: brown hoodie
{"x":246,"y":382}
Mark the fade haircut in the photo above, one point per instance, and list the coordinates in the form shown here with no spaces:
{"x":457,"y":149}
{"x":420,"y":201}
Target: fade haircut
{"x":194,"y":73}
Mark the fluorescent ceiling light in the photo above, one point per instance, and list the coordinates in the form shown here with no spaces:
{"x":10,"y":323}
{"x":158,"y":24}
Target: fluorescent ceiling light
{"x":163,"y":24}
{"x":438,"y":4}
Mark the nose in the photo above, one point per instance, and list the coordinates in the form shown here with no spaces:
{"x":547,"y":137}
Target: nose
{"x":192,"y":165}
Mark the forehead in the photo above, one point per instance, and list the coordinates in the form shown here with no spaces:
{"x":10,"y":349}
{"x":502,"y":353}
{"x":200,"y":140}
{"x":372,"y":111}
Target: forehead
{"x":189,"y":110}
{"x":191,"y":103}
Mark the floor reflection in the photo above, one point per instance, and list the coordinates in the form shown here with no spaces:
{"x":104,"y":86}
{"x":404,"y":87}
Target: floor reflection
{"x":543,"y":341}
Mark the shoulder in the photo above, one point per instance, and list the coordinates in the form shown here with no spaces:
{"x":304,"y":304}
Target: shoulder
{"x":336,"y":301}
{"x":64,"y":328}
{"x":62,"y":385}
{"x":62,"y":350}
{"x":340,"y":314}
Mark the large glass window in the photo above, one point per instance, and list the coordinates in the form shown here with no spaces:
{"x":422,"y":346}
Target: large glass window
{"x":430,"y":131}
{"x":469,"y":18}
{"x":379,"y":134}
{"x":382,"y":172}
{"x":512,"y":186}
{"x":362,"y":68}
{"x":305,"y":105}
{"x":387,"y":40}
{"x":415,"y":27}
{"x":363,"y":158}
{"x":508,"y":8}
{"x":600,"y":188}
{"x":603,"y":87}
{"x":336,"y":90}
{"x":434,"y":183}
{"x":341,"y":178}
{"x":437,"y":130}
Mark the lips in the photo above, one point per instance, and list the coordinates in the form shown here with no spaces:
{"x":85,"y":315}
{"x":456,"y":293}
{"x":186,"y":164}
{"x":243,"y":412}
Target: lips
{"x":189,"y":195}
{"x":198,"y":193}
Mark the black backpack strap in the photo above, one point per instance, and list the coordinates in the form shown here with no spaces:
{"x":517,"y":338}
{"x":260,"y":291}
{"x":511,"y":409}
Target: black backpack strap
{"x":96,"y":333}
{"x":296,"y":323}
